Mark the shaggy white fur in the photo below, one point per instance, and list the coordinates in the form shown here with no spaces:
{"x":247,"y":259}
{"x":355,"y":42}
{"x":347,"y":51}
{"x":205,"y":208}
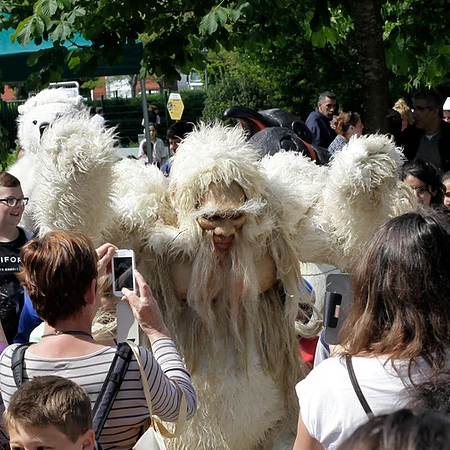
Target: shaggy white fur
{"x":35,"y":116}
{"x":239,"y":344}
{"x":333,"y":210}
{"x":75,"y":185}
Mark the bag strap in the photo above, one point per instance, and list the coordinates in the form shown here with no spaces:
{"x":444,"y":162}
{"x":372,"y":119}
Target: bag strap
{"x":17,"y":358}
{"x":179,"y":427}
{"x":357,"y":388}
{"x":111,"y":387}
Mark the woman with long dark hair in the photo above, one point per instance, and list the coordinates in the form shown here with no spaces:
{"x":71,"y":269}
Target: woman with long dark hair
{"x":397,"y":333}
{"x":424,"y":178}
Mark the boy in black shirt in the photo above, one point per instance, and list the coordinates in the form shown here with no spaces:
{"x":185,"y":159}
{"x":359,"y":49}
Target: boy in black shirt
{"x":12,"y":238}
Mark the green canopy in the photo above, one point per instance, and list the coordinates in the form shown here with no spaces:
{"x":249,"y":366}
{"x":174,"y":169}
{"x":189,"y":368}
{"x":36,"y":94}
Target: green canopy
{"x":14,"y":56}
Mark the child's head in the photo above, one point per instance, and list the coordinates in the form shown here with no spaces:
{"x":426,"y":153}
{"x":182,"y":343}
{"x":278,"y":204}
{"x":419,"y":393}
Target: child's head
{"x":51,"y":412}
{"x":12,"y":202}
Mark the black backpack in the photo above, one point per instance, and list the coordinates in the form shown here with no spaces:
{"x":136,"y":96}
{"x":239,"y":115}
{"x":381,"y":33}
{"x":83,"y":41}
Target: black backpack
{"x":108,"y":392}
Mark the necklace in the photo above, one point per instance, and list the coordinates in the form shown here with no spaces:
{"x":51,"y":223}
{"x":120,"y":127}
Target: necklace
{"x":75,"y":333}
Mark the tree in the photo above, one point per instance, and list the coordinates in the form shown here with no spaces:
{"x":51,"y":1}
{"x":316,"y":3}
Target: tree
{"x":412,"y":41}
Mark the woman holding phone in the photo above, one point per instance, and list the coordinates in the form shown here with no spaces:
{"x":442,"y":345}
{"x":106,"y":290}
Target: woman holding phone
{"x":397,"y":333}
{"x":60,"y":273}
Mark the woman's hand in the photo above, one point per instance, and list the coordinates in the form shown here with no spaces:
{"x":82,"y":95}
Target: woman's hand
{"x":146,"y":310}
{"x":105,"y":253}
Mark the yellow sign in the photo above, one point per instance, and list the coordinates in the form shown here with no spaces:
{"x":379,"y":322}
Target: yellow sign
{"x":175,"y":106}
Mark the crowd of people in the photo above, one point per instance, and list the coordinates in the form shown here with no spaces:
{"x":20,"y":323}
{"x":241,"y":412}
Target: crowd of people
{"x":384,"y":386}
{"x":422,"y":131}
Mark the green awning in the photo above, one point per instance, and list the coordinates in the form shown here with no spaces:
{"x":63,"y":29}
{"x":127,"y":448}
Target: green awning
{"x":14,"y":56}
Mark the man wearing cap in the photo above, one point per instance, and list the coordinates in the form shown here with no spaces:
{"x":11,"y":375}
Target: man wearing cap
{"x":446,"y":110}
{"x":429,"y":137}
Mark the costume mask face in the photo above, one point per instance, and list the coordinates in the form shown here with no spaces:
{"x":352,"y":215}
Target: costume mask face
{"x":222,"y":215}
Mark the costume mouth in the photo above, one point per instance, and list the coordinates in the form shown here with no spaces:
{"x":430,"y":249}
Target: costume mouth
{"x":223,"y":244}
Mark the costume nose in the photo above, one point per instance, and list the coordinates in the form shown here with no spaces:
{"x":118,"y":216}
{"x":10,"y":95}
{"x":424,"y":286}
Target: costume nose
{"x":225,"y":228}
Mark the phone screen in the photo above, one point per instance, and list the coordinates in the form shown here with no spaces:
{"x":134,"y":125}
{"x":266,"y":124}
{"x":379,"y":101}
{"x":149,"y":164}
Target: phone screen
{"x":123,"y":272}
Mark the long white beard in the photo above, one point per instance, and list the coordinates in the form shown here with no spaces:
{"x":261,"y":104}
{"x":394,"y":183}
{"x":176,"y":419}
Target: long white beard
{"x":224,"y":288}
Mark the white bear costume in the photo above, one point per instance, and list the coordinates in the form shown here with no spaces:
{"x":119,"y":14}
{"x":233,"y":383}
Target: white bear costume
{"x":239,"y":344}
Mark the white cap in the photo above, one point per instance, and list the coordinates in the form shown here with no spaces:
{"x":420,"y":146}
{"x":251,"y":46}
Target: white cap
{"x":446,"y":106}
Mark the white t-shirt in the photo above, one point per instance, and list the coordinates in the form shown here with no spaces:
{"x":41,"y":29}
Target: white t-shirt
{"x":329,"y":406}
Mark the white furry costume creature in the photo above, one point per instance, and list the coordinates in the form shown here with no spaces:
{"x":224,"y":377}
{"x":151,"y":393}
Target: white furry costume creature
{"x":230,"y":303}
{"x":49,"y":124}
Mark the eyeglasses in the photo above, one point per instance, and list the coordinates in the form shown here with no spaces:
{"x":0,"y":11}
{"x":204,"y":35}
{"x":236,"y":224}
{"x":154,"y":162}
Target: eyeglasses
{"x":12,"y":202}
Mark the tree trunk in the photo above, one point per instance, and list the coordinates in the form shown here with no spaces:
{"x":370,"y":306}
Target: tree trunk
{"x":133,"y":84}
{"x":372,"y":60}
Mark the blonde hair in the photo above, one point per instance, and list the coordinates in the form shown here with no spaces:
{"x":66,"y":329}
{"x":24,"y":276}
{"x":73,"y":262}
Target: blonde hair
{"x":404,"y":110}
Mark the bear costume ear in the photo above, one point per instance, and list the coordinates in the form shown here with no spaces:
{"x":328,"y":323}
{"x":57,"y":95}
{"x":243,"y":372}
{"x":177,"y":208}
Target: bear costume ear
{"x":21,"y":109}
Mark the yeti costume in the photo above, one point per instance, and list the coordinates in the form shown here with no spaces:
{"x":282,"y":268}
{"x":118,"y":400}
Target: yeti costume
{"x":238,"y":342}
{"x":49,"y":124}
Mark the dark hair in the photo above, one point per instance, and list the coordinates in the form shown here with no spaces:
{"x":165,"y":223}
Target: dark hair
{"x":401,"y":430}
{"x":432,"y":97}
{"x":426,"y":172}
{"x":345,"y":120}
{"x":401,"y":289}
{"x":8,"y":180}
{"x":57,"y":270}
{"x":324,"y":95}
{"x":99,"y":110}
{"x":432,"y":395}
{"x":50,"y":401}
{"x":180,"y":129}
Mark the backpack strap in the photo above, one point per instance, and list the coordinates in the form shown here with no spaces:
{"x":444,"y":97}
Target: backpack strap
{"x":17,"y":358}
{"x":357,"y":388}
{"x":111,"y":386}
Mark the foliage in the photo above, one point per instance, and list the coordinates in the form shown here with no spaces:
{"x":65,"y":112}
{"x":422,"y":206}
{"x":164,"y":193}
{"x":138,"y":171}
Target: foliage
{"x":417,"y":41}
{"x":4,"y":147}
{"x":294,"y":50}
{"x":93,"y":83}
{"x":234,"y":86}
{"x":288,"y":77}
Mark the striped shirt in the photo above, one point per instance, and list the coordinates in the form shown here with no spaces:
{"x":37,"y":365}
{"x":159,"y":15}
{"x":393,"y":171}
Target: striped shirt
{"x":129,"y":410}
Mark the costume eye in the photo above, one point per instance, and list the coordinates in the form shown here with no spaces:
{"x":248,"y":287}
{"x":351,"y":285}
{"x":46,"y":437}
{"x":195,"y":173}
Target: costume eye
{"x":211,"y":218}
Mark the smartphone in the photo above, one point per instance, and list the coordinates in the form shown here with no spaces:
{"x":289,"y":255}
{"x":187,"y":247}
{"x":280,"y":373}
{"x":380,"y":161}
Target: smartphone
{"x":123,"y":266}
{"x":127,"y":325}
{"x":338,"y":300}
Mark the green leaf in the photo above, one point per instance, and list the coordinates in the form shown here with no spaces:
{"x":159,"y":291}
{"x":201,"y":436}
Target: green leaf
{"x":208,"y":25}
{"x":28,"y":29}
{"x":73,"y":62}
{"x":211,"y":22}
{"x":444,"y":50}
{"x":61,"y":32}
{"x":49,"y":7}
{"x":431,"y":69}
{"x":318,"y":39}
